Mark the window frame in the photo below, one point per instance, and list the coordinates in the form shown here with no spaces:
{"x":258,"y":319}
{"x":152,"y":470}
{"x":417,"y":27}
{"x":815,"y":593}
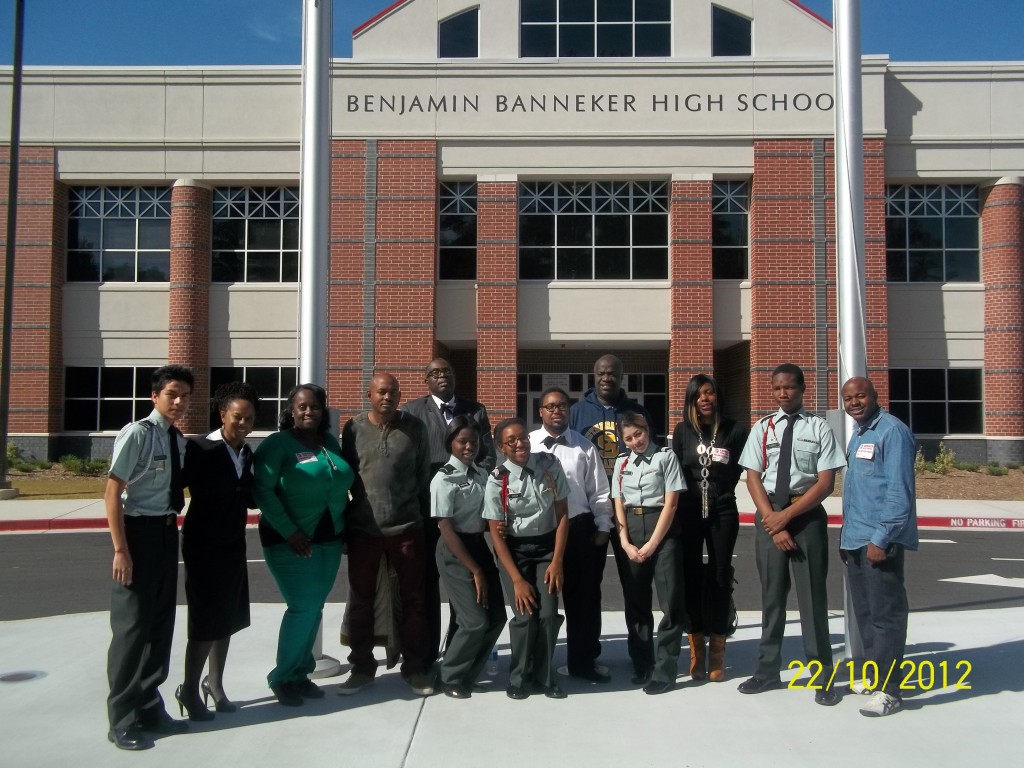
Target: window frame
{"x":141,"y":404}
{"x":457,"y":199}
{"x":564,"y":29}
{"x":903,"y":408}
{"x":730,"y":198}
{"x":271,"y":405}
{"x":455,"y":17}
{"x":249,"y":204}
{"x":910,"y":204}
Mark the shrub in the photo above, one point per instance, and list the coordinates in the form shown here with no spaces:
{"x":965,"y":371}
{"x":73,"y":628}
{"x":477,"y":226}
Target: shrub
{"x":96,"y":466}
{"x":920,"y":465}
{"x":967,"y":466}
{"x":72,"y":464}
{"x":998,"y":471}
{"x":41,"y":464}
{"x":1012,"y":465}
{"x":944,"y":460}
{"x":13,"y":454}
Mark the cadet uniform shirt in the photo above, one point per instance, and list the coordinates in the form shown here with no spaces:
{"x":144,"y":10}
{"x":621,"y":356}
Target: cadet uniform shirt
{"x":532,"y":493}
{"x":814,"y":449}
{"x":139,"y":446}
{"x":457,"y":493}
{"x":642,"y":480}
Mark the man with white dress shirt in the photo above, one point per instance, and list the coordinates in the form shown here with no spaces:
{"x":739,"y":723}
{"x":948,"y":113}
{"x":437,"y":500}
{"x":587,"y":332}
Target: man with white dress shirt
{"x":590,"y":522}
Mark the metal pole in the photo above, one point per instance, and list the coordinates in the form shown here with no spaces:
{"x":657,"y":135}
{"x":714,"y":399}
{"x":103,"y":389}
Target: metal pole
{"x":850,"y":285}
{"x":12,"y":228}
{"x":315,"y":206}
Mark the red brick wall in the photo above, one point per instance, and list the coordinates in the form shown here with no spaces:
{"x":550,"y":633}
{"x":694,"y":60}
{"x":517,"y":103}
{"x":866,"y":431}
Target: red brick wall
{"x":188,"y":334}
{"x":406,"y":236}
{"x":1002,"y":243}
{"x":692,"y":347}
{"x":496,"y":302}
{"x":36,"y":330}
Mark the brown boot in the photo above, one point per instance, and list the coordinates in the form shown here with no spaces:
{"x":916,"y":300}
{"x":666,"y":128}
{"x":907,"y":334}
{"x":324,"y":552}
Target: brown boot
{"x":697,"y":656}
{"x":716,"y":659}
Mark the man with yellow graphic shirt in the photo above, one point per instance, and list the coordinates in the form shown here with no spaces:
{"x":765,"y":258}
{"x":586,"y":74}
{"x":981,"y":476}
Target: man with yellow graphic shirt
{"x":596,"y":417}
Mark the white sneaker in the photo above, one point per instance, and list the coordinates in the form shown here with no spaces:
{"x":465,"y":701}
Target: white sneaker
{"x":858,"y":687}
{"x":881,"y":704}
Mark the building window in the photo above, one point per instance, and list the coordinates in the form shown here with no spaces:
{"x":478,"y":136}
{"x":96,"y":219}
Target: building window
{"x":648,"y":389}
{"x":607,"y":230}
{"x":273,"y":383}
{"x":730,"y":33}
{"x":119,"y":234}
{"x":601,"y":28}
{"x":98,"y":399}
{"x":938,"y":401}
{"x":931,"y":233}
{"x":255,"y":235}
{"x":456,"y":230}
{"x":730,"y":208}
{"x":458,"y":37}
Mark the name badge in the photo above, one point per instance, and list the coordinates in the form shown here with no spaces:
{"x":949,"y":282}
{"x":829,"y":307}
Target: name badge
{"x":515,"y":496}
{"x":159,"y":463}
{"x":305,"y":457}
{"x":720,"y":455}
{"x":866,"y":451}
{"x":465,"y":484}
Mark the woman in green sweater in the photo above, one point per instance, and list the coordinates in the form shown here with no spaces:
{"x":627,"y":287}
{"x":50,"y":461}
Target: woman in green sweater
{"x":301,"y":487}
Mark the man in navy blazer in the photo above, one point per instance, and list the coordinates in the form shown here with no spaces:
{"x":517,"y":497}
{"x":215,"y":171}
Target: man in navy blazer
{"x":437,"y":410}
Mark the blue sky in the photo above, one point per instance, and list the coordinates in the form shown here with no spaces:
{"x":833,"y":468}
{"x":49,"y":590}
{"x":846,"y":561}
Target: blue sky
{"x":204,"y":32}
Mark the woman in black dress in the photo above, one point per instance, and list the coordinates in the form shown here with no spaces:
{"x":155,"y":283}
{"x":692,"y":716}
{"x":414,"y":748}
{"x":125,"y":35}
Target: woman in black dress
{"x":218,"y":470}
{"x":708,"y":446}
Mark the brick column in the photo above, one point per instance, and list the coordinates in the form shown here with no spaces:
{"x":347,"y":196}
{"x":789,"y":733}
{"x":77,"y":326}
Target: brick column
{"x":496,"y":298}
{"x":37,"y":333}
{"x":353,"y":258}
{"x":1002,"y":260}
{"x":188,"y":337}
{"x":405,"y":262}
{"x":692,"y":347}
{"x":791,"y":320}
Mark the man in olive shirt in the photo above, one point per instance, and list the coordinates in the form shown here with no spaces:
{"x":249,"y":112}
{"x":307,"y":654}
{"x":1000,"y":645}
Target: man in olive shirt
{"x":390,"y":499}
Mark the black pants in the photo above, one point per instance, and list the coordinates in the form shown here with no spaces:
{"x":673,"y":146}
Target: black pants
{"x":581,"y":594}
{"x":708,"y":589}
{"x":880,"y":604}
{"x":142,"y":620}
{"x":432,"y":593}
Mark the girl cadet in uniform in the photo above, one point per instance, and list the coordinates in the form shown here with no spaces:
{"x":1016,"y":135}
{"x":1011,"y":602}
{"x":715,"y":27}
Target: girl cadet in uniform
{"x":464,"y":561}
{"x":528,"y":493}
{"x":645,"y":486}
{"x":708,"y":447}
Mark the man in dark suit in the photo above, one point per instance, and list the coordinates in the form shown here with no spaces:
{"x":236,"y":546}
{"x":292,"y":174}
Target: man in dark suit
{"x":437,"y":410}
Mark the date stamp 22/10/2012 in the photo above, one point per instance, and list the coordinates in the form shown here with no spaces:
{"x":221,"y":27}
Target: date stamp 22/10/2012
{"x":913,"y":675}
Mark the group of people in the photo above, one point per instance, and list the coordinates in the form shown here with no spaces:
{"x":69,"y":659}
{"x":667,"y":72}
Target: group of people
{"x":408,"y":494}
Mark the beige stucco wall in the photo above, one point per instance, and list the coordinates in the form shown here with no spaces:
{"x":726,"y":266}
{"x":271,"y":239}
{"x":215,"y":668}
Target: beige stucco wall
{"x":455,"y":312}
{"x":115,"y":323}
{"x":936,"y":325}
{"x":731,"y":312}
{"x":254,"y":324}
{"x":586,"y":311}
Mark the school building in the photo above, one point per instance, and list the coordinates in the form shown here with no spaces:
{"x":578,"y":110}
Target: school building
{"x":521,"y":187}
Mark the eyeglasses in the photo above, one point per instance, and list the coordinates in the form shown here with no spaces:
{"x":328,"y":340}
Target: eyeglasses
{"x":552,"y":407}
{"x":512,"y":442}
{"x":437,"y":373}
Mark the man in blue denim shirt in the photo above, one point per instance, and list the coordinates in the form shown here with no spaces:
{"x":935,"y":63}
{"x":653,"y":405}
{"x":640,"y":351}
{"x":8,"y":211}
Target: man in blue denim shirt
{"x":879,"y":524}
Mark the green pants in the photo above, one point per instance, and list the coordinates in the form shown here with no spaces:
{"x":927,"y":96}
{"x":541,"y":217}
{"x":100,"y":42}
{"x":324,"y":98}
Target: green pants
{"x":305,"y":583}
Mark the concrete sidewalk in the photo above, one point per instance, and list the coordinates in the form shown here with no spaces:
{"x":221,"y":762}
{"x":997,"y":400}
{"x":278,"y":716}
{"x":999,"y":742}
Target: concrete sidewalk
{"x":88,"y":514}
{"x":56,"y":717}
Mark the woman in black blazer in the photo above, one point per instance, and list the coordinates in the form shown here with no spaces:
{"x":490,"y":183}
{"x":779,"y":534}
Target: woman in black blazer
{"x":218,"y":470}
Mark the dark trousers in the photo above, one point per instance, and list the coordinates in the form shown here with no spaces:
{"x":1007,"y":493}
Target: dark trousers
{"x":405,"y":553}
{"x":532,"y":636}
{"x":880,"y":605}
{"x":665,"y":572}
{"x":432,"y":591}
{"x":479,"y":627}
{"x":142,"y":620}
{"x":581,"y":594}
{"x":809,"y":566}
{"x":708,"y":588}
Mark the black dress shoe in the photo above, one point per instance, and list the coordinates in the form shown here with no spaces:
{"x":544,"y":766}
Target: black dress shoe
{"x":592,"y":675}
{"x":286,"y":694}
{"x":641,"y":677}
{"x":130,"y":738}
{"x":659,"y":686}
{"x":759,"y":685}
{"x":517,"y":692}
{"x":156,"y":720}
{"x":307,"y":689}
{"x":827,"y":697}
{"x":553,"y":692}
{"x":456,"y":691}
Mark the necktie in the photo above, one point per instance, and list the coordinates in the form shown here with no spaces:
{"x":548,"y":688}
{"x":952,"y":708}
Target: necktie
{"x":641,"y":459}
{"x":448,"y":412}
{"x":177,"y":483}
{"x":782,"y":474}
{"x":551,"y":442}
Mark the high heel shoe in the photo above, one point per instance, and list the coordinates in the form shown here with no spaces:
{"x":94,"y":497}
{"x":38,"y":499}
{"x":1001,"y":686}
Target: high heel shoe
{"x":196,"y":709}
{"x":222,"y":705}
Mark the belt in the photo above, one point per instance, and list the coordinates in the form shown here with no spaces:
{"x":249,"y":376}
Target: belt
{"x":792,"y":499}
{"x":643,"y":510}
{"x":171,"y":519}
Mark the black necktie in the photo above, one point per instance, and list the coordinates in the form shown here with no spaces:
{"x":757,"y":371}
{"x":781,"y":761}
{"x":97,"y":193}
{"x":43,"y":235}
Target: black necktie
{"x":551,"y":442}
{"x":447,"y":411}
{"x":782,"y":474}
{"x":177,"y":484}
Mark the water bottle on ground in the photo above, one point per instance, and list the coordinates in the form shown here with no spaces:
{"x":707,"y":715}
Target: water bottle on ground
{"x":492,"y":662}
